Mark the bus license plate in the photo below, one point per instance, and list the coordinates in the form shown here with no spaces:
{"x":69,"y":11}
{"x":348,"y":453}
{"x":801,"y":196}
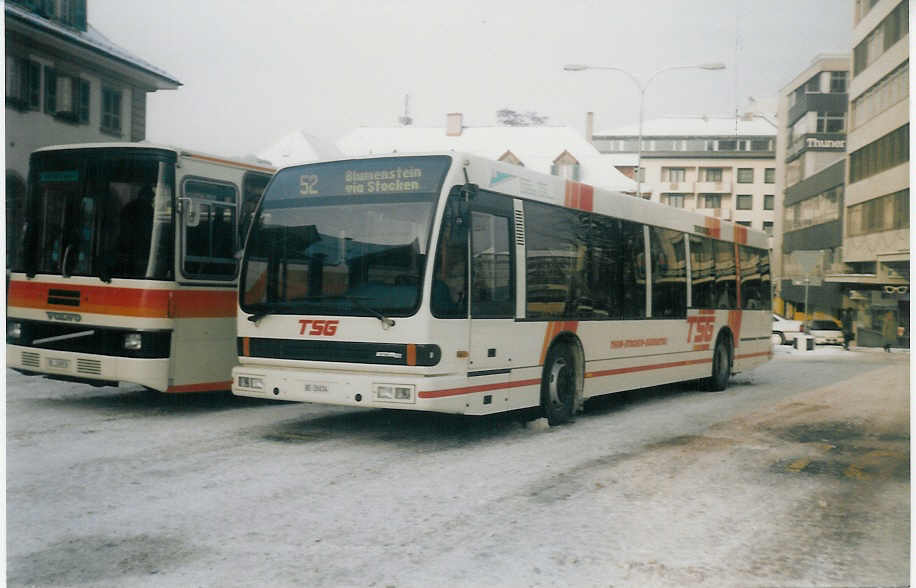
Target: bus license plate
{"x":317,"y":387}
{"x":57,"y":363}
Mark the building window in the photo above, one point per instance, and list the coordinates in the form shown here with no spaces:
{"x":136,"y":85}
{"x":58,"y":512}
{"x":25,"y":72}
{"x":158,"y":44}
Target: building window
{"x":745,"y":175}
{"x":50,"y":90}
{"x":745,"y":223}
{"x":884,"y":94}
{"x":894,"y":27}
{"x":728,"y":145}
{"x":838,"y":82}
{"x":82,"y":110}
{"x":744,"y":202}
{"x":768,"y":227}
{"x":675,"y":200}
{"x":111,"y":111}
{"x":886,"y":213}
{"x":813,"y":86}
{"x":823,"y":208}
{"x":889,"y":151}
{"x":831,"y":122}
{"x":711,"y":200}
{"x":674,"y":174}
{"x":769,"y":175}
{"x":711,"y":174}
{"x":23,"y":83}
{"x":761,"y":144}
{"x":769,"y":201}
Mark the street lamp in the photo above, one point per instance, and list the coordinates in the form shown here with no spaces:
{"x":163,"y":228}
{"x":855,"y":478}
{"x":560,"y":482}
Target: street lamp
{"x":642,"y":98}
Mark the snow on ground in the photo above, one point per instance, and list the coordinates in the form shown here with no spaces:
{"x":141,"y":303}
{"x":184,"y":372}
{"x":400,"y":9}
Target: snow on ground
{"x":664,"y":487}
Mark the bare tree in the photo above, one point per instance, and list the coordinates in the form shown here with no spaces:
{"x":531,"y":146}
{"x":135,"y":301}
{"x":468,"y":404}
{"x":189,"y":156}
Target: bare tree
{"x":513,"y":118}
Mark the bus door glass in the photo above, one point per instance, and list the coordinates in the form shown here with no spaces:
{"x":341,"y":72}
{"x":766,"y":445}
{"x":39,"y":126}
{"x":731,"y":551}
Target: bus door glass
{"x":492,"y":280}
{"x":209,"y":235}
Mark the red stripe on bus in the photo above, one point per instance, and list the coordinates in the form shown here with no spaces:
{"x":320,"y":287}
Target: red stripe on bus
{"x":734,"y":323}
{"x":644,"y":368}
{"x":479,"y":388}
{"x":580,"y":196}
{"x":714,"y":227}
{"x":206,"y":387}
{"x":554,"y":328}
{"x":740,"y":234}
{"x":136,"y":302}
{"x":749,"y":355}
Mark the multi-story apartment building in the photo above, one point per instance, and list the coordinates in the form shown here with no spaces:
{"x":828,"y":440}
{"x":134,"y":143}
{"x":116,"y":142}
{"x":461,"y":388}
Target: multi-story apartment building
{"x":810,"y":170}
{"x":66,"y":83}
{"x":721,"y":166}
{"x":877,"y":232}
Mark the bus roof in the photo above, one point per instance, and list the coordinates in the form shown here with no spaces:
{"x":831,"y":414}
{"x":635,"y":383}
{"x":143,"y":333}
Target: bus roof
{"x":249,"y":163}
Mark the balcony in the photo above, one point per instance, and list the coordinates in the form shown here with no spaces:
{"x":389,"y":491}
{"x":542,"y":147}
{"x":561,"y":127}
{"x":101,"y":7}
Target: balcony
{"x":679,"y":187}
{"x":714,"y":187}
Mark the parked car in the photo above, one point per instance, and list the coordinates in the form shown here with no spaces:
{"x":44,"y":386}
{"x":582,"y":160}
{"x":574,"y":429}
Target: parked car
{"x":785,"y":330}
{"x":826,"y":333}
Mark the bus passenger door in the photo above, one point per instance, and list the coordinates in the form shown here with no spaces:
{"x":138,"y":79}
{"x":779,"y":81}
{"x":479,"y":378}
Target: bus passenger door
{"x":492,"y":287}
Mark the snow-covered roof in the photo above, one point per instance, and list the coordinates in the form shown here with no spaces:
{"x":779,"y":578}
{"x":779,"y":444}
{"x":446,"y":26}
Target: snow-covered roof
{"x":91,"y":39}
{"x":299,"y":147}
{"x":536,"y":147}
{"x":698,"y":126}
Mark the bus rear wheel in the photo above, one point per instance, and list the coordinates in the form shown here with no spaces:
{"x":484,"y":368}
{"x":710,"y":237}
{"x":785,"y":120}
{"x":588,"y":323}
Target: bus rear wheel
{"x":558,"y":386}
{"x":721,"y":366}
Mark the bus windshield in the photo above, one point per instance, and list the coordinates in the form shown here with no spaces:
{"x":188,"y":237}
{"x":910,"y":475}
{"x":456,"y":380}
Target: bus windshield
{"x":100,"y":212}
{"x":346,"y":237}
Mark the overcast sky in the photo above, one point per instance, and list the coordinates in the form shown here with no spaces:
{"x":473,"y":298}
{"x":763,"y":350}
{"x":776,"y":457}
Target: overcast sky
{"x":253,"y":71}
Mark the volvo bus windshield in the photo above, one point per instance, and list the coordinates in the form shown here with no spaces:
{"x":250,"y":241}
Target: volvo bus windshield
{"x":347,"y":237}
{"x":100,"y":212}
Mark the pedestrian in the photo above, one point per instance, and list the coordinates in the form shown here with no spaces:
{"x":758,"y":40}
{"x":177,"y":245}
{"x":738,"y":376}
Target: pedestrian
{"x":847,"y":327}
{"x":889,"y":330}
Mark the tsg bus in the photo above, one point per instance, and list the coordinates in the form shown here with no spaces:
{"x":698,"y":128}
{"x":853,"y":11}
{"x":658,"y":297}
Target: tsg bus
{"x":127,"y":270}
{"x":457,"y":284}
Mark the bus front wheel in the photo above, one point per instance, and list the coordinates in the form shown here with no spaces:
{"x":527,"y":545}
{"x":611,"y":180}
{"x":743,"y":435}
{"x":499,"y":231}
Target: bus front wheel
{"x":558,"y":386}
{"x":721,"y":366}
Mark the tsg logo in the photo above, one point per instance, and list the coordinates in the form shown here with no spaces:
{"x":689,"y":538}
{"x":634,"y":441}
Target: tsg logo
{"x":70,"y":317}
{"x":324,"y":328}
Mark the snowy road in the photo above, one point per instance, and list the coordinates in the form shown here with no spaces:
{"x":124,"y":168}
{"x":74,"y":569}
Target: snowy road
{"x":798,"y":474}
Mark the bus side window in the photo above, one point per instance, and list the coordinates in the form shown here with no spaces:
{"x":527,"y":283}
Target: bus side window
{"x":633,"y":274}
{"x":492,"y":257}
{"x":450,"y":276}
{"x":726,"y":280}
{"x":702,"y":272}
{"x":252,"y":187}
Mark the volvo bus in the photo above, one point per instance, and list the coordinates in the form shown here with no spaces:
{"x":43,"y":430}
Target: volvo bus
{"x":447,"y":282}
{"x":128,"y":262}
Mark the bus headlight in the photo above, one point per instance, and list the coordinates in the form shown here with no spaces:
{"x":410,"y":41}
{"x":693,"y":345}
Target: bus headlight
{"x":133,"y":341}
{"x":251,"y":382}
{"x":14,"y":330}
{"x":394,"y":392}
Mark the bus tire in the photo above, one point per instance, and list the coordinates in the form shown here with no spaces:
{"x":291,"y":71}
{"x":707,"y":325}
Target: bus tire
{"x":558,"y":385}
{"x":721,"y":365}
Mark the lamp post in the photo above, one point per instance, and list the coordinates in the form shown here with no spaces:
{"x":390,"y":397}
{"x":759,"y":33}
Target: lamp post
{"x":642,"y":99}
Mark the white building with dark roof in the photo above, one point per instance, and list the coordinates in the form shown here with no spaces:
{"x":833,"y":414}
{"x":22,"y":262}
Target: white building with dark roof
{"x":67,"y":83}
{"x":723,"y":166}
{"x":556,"y":150}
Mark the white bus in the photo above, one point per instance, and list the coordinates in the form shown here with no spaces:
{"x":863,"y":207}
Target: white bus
{"x":126,"y":270}
{"x":356,"y":289}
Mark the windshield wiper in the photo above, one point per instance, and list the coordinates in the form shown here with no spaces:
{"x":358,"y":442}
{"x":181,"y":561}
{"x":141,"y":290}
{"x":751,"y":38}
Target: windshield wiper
{"x":387,"y":322}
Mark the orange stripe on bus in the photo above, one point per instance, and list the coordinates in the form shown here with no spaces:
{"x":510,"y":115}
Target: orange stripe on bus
{"x":554,"y":328}
{"x":580,"y":196}
{"x":411,"y":354}
{"x":206,"y":387}
{"x":715,"y":227}
{"x":136,"y":302}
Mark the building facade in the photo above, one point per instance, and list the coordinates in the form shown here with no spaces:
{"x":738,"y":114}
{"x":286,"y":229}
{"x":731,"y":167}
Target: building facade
{"x":66,"y":83}
{"x":877,"y":234}
{"x":720,"y":166}
{"x":811,"y":176}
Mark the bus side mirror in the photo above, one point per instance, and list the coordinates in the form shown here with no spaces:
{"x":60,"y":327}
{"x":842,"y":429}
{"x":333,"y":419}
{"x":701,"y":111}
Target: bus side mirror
{"x":190,"y":210}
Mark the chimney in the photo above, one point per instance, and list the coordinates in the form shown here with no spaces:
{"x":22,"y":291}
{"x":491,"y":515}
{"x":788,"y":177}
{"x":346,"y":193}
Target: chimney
{"x":589,"y":126}
{"x":453,"y":124}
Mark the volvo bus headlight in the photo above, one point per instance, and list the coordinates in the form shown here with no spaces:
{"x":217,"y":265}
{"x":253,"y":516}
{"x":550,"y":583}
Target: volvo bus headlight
{"x":14,"y":330}
{"x":133,"y":341}
{"x":251,"y":382}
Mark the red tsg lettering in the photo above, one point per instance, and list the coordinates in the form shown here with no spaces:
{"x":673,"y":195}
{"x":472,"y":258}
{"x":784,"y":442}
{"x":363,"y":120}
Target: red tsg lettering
{"x":323,"y":328}
{"x":704,"y":328}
